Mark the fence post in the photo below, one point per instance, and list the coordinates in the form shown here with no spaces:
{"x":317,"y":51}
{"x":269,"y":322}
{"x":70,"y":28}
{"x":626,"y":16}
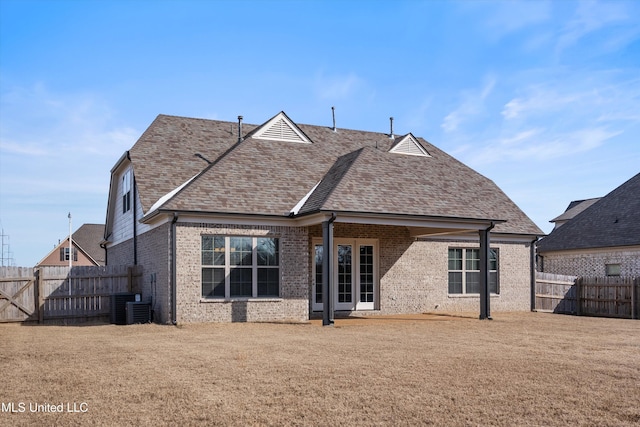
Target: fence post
{"x":578,"y":290}
{"x":39,"y":286}
{"x":634,"y":298}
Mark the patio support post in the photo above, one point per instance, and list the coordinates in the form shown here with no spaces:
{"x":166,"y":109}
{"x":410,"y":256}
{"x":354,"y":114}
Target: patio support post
{"x":485,"y":294}
{"x":327,"y":273}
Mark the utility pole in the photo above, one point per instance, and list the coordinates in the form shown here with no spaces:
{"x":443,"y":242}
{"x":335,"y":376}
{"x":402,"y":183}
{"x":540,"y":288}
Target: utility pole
{"x":70,"y":245}
{"x":6,"y":258}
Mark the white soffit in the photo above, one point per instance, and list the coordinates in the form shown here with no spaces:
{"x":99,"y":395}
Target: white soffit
{"x":280,"y":128}
{"x":409,"y":145}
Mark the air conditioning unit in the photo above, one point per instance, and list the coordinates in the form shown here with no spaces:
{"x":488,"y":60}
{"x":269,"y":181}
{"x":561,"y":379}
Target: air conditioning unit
{"x":118,"y":306}
{"x":138,"y":312}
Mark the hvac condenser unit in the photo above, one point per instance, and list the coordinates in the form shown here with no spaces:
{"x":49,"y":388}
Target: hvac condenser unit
{"x":118,"y":306}
{"x":138,"y":312}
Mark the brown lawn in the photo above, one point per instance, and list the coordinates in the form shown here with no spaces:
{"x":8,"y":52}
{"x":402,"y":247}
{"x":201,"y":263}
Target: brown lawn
{"x":519,"y":369}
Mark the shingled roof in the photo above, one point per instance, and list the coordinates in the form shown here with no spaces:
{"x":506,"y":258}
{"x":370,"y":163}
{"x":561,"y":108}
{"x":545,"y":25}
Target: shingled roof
{"x":268,"y":177}
{"x":611,"y":221}
{"x":574,"y":208}
{"x":88,"y":238}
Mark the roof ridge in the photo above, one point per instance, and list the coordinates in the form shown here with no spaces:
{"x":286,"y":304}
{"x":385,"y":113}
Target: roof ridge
{"x":330,"y":181}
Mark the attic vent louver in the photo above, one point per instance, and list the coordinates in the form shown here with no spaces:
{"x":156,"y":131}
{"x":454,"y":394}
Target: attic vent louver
{"x":409,"y":145}
{"x":280,"y":128}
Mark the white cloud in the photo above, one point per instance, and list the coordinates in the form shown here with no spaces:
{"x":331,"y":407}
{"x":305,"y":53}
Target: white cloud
{"x":472,"y":106}
{"x":590,"y":17}
{"x":337,"y":87}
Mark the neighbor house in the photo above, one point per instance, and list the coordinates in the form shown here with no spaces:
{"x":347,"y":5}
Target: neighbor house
{"x":229,"y":222}
{"x":598,"y":237}
{"x":86,"y":247}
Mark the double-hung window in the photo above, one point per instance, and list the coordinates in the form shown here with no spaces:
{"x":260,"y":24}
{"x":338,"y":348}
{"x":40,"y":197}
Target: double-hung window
{"x":240,"y":267}
{"x":64,"y":254}
{"x":126,"y":191}
{"x":464,"y":271}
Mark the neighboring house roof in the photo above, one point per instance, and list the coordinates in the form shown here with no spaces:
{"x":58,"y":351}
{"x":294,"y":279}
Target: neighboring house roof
{"x":86,"y":239}
{"x":611,"y":221}
{"x":344,"y":171}
{"x":574,"y":208}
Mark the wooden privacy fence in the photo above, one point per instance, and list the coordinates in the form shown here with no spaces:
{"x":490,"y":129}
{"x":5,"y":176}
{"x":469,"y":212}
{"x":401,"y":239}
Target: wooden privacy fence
{"x":60,"y":295}
{"x":608,"y":296}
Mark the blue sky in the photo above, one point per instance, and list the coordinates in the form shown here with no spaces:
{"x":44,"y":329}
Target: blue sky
{"x":541,"y":97}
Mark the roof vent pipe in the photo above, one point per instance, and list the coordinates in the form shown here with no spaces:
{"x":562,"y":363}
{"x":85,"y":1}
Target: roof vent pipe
{"x":391,"y":133}
{"x":239,"y":128}
{"x":333,"y":113}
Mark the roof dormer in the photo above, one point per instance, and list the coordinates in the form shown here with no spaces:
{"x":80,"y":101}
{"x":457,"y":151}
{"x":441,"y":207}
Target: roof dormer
{"x":410,"y":145}
{"x":281,"y":128}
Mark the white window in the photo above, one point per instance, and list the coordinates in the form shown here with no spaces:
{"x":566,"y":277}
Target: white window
{"x":126,"y":191}
{"x":240,"y":266}
{"x":612,"y":269}
{"x":464,"y":271}
{"x":64,"y":254}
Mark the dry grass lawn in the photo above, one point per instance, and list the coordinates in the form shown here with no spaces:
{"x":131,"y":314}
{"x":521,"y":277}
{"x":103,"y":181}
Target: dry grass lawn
{"x":519,"y":369}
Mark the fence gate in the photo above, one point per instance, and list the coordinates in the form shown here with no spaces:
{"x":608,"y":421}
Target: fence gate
{"x":18,"y":294}
{"x":556,"y":293}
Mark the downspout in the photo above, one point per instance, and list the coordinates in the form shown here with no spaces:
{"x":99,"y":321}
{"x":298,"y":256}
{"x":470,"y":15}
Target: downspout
{"x":104,"y":246}
{"x":135,"y":228}
{"x":173,"y":270}
{"x":532,"y":263}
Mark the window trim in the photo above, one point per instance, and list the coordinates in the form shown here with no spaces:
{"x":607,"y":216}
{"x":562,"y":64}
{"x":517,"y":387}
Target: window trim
{"x":126,"y":191}
{"x":608,"y":266}
{"x":228,"y":268}
{"x":464,"y":270}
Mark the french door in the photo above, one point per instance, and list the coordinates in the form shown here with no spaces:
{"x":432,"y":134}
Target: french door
{"x":355,"y":274}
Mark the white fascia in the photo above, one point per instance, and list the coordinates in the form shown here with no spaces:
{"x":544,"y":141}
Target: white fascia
{"x":164,"y":199}
{"x":302,"y":201}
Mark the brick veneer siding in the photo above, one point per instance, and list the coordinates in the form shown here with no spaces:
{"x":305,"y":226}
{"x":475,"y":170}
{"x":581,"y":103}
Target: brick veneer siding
{"x":154,"y":249}
{"x":414,"y":272}
{"x":153,"y":254}
{"x":292,"y":305}
{"x":592,"y":262}
{"x":120,"y":254}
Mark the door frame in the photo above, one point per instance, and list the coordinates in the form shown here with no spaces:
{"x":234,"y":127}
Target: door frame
{"x":355,"y":274}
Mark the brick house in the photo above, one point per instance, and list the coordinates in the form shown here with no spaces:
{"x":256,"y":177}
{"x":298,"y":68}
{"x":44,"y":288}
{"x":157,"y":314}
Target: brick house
{"x":596,"y":237}
{"x":85,"y":242}
{"x":231,"y":222}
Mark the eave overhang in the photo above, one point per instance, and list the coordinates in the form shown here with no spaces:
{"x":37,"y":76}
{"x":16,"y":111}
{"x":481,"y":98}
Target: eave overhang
{"x":418,"y":225}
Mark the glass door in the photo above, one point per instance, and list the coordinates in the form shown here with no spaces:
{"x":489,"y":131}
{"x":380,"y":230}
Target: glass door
{"x":344,"y":277}
{"x":355,"y":275}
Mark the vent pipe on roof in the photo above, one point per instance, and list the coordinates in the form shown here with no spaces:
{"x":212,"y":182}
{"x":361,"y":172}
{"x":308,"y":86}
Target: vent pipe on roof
{"x":333,"y":113}
{"x":239,"y":128}
{"x":391,"y":133}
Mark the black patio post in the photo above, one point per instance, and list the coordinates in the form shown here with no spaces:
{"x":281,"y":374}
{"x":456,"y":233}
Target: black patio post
{"x":485,"y":294}
{"x":327,"y":273}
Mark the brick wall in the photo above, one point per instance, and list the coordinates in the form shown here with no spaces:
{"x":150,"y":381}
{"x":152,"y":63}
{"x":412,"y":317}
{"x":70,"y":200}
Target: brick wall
{"x":120,"y":254}
{"x":592,"y":262}
{"x":414,"y":273}
{"x":292,"y":305}
{"x":154,"y":249}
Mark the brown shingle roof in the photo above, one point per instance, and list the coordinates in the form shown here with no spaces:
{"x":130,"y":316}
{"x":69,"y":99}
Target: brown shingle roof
{"x":88,"y":237}
{"x":270,"y":177}
{"x":612,"y":221}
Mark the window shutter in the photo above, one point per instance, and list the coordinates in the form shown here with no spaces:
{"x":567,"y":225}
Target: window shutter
{"x":62,"y":254}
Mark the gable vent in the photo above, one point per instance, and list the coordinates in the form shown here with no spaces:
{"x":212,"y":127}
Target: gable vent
{"x":281,"y":129}
{"x":409,"y":145}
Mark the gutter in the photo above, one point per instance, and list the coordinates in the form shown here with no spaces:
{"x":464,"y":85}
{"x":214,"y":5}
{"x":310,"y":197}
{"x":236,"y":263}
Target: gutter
{"x":173,"y":271}
{"x":135,"y":228}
